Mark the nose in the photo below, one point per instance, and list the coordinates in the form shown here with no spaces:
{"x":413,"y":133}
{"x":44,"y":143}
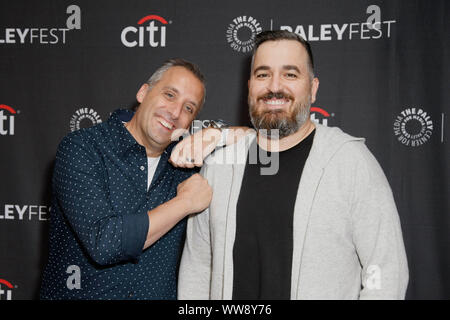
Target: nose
{"x":175,"y":110}
{"x":274,"y":84}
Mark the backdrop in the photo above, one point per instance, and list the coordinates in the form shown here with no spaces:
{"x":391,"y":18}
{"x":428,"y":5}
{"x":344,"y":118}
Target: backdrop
{"x":383,"y":68}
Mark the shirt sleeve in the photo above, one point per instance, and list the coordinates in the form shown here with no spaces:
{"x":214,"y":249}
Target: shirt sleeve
{"x":377,"y":233}
{"x":80,"y":186}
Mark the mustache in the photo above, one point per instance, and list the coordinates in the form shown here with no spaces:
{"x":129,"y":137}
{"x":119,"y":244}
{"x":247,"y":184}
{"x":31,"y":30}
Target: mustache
{"x":276,"y":95}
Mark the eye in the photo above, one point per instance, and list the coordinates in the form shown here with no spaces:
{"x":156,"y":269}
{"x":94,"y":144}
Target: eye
{"x":291,"y":75}
{"x":169,"y":94}
{"x":262,"y":75}
{"x":189,"y":108}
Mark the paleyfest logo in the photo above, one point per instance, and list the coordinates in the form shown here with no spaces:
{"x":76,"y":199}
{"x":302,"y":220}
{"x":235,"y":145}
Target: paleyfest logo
{"x":152,"y":33}
{"x":24,"y":212}
{"x":44,"y":35}
{"x":371,"y":29}
{"x":241,"y":33}
{"x":413,"y":127}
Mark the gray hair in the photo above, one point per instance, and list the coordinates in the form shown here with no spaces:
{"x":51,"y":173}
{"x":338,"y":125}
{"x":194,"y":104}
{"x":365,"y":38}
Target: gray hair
{"x":177,"y":62}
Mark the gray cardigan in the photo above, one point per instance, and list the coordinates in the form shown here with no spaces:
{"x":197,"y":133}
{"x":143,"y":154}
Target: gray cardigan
{"x":347,"y":236}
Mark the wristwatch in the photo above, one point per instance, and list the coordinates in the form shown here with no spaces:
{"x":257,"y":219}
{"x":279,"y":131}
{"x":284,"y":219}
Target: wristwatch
{"x":222,"y":126}
{"x":218,"y":124}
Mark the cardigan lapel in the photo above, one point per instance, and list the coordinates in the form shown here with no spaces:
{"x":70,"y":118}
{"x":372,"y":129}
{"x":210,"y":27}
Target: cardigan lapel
{"x":309,"y":182}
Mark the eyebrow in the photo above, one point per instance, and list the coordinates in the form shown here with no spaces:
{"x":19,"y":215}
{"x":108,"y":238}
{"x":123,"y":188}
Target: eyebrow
{"x":177,"y":92}
{"x":285,"y":67}
{"x":291,"y":67}
{"x":261,"y":68}
{"x":171,"y":88}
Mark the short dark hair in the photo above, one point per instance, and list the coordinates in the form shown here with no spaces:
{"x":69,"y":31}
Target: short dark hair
{"x":276,"y":35}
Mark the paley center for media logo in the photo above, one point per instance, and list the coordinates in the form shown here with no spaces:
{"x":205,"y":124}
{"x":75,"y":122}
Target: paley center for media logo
{"x":7,"y":118}
{"x":413,"y":127}
{"x":47,"y":35}
{"x":6,"y":289}
{"x":84,"y":118}
{"x":151,"y":31}
{"x":241,"y":33}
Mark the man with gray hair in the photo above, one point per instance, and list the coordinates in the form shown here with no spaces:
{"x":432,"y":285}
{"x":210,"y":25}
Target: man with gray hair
{"x":118,"y":206}
{"x":324,"y":226}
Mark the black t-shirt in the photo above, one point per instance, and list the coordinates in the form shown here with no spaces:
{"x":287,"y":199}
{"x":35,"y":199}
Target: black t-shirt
{"x":262,"y":253}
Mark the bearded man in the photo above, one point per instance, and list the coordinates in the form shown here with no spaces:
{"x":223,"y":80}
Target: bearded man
{"x":323,"y":226}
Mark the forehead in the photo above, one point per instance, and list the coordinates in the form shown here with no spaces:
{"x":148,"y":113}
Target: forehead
{"x":184,"y":81}
{"x":279,"y":53}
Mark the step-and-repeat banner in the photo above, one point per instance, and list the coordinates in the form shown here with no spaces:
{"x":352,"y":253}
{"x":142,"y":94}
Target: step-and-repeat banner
{"x":384,"y":75}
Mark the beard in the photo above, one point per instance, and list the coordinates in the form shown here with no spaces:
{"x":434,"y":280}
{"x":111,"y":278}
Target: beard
{"x":277,"y":124}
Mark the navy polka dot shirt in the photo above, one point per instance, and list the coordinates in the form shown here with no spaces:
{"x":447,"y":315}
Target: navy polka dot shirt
{"x":99,"y":221}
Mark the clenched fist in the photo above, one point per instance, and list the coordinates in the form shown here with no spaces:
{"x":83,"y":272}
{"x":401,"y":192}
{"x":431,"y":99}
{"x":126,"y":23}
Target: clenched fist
{"x":191,"y":151}
{"x":195,"y":192}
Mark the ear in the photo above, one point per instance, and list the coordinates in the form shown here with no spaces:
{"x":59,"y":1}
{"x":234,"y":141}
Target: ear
{"x":140,"y":95}
{"x":314,"y":88}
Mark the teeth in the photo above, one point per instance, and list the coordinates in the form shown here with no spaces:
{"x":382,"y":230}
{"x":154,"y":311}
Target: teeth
{"x":275,"y":102}
{"x":165,"y":124}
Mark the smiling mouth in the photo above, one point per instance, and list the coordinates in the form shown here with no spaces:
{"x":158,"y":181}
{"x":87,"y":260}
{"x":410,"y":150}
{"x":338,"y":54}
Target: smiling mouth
{"x":276,"y":102}
{"x":166,"y":124}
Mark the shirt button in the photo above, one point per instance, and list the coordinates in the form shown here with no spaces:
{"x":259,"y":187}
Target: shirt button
{"x":142,"y":168}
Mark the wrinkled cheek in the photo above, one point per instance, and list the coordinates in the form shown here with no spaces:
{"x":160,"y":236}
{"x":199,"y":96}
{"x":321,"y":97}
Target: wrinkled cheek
{"x":147,"y":119}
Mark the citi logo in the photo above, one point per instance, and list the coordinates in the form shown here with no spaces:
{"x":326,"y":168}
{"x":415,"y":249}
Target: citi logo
{"x":323,"y":116}
{"x":6,"y":290}
{"x":150,"y":32}
{"x":7,"y":115}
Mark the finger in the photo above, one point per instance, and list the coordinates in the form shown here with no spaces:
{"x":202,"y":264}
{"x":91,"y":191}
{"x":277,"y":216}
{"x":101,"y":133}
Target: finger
{"x":198,"y":157}
{"x":183,"y":158}
{"x":181,"y":151}
{"x":196,"y":147}
{"x":189,"y":165}
{"x":175,"y":155}
{"x":177,"y":161}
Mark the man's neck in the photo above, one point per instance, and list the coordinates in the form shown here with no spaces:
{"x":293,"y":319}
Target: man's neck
{"x":151,"y":150}
{"x":278,"y":145}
